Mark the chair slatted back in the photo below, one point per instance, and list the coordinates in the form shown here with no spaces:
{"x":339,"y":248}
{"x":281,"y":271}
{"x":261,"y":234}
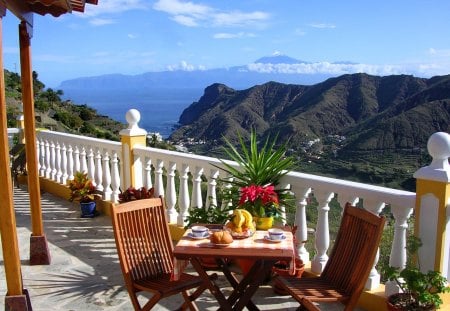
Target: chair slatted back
{"x":143,"y":239}
{"x":354,"y":251}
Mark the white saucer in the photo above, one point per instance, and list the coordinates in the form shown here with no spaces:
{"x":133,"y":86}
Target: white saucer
{"x":268,"y":239}
{"x":192,"y":236}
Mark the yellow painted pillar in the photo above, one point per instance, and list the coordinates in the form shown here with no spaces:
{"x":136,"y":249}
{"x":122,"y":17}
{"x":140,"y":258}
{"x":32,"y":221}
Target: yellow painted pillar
{"x":131,"y":137}
{"x":432,"y":211}
{"x":39,"y":252}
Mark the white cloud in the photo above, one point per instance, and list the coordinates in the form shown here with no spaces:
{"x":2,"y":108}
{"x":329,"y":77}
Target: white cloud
{"x":114,"y":7}
{"x":322,"y":25}
{"x":185,"y":20}
{"x":225,"y":35}
{"x":101,"y":21}
{"x":238,"y":19}
{"x":132,"y":36}
{"x":185,"y":66}
{"x":325,"y":68}
{"x":193,"y":15}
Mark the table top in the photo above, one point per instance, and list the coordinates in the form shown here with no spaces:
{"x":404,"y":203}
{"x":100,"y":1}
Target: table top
{"x":254,"y":247}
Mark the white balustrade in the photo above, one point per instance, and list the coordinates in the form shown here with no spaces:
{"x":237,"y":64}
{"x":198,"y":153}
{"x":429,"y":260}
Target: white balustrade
{"x":161,"y":168}
{"x":63,"y":154}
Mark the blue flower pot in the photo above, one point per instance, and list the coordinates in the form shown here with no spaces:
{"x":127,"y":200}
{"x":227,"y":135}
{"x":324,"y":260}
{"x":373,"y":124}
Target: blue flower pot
{"x":88,"y":209}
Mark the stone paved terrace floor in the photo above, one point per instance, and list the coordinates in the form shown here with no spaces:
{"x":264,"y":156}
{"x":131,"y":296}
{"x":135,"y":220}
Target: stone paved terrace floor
{"x":84,"y":273}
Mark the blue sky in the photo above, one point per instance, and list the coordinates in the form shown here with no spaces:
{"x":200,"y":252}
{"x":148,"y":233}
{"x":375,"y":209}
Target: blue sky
{"x":135,"y":36}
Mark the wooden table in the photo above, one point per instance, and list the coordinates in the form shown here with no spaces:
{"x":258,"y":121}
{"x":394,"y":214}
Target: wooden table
{"x":257,"y":248}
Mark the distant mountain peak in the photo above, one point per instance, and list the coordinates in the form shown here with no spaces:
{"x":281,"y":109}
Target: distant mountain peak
{"x":278,"y":58}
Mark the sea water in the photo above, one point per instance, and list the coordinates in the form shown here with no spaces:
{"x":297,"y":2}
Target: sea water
{"x":160,"y":108}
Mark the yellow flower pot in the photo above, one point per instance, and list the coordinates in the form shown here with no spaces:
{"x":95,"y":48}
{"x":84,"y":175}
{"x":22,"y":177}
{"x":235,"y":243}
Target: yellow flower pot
{"x":263,"y":223}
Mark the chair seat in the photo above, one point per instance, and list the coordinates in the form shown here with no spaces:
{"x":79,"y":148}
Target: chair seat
{"x":313,"y":289}
{"x":165,"y":286}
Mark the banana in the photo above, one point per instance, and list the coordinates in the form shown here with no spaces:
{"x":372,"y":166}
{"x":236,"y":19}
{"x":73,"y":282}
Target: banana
{"x":238,"y":220}
{"x":248,"y":219}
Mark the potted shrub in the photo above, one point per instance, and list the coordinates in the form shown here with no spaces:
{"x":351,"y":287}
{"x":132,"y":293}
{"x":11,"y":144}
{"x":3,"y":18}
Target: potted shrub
{"x":420,"y":291}
{"x":131,"y":194}
{"x":254,"y":183}
{"x":83,"y":191}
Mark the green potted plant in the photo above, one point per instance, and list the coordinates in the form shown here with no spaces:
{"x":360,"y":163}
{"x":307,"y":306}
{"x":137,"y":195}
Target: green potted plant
{"x":420,"y":290}
{"x":212,"y":215}
{"x":83,"y":191}
{"x":254,"y":183}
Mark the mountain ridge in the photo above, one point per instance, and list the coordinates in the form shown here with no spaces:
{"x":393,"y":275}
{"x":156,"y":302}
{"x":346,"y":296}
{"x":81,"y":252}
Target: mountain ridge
{"x":372,"y":112}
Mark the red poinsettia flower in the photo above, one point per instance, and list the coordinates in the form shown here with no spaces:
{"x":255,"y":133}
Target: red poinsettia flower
{"x":256,"y":198}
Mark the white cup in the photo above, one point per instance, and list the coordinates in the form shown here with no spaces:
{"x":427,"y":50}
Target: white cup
{"x":275,"y":234}
{"x":199,"y":231}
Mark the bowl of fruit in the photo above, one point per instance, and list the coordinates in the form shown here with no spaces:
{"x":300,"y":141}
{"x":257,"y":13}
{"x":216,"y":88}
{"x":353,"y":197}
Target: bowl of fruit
{"x":241,"y":225}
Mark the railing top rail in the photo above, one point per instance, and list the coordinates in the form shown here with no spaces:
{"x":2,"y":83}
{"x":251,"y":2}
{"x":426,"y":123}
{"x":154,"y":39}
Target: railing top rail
{"x":184,"y":157}
{"x":362,"y":190}
{"x":388,"y":195}
{"x":88,"y":140}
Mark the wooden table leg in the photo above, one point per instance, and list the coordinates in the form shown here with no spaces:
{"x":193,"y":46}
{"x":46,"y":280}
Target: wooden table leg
{"x":246,"y":288}
{"x":213,"y":288}
{"x":251,"y":282}
{"x":239,"y":287}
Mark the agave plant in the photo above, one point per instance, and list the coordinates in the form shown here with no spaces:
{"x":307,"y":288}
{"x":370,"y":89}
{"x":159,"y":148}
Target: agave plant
{"x":257,"y":167}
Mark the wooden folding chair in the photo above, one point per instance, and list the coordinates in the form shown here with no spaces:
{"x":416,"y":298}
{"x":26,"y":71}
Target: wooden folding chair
{"x":145,"y":251}
{"x":348,"y":266}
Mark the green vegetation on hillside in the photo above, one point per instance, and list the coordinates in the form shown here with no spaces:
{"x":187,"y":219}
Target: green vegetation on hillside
{"x":54,"y":114}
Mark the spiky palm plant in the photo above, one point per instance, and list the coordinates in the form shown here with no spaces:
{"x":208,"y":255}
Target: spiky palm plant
{"x":261,"y":167}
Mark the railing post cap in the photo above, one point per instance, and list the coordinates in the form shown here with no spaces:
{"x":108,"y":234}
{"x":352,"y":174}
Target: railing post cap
{"x":439,"y":149}
{"x":439,"y":145}
{"x":133,"y":116}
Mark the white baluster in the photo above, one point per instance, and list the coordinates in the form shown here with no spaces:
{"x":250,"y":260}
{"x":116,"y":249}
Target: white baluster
{"x":106,"y":178}
{"x":137,"y":166}
{"x":115,"y":178}
{"x":398,"y":251}
{"x":282,"y":207}
{"x":98,"y":171}
{"x":57,"y":176}
{"x":91,"y":166}
{"x":70,"y":162}
{"x":63,"y":169}
{"x":211,"y":193}
{"x":83,"y":156}
{"x":375,"y":207}
{"x":48,"y":158}
{"x":228,"y":204}
{"x":300,"y":221}
{"x":171,"y":198}
{"x":148,"y":174}
{"x":196,"y":199}
{"x":76,"y":160}
{"x":43,"y":159}
{"x":54,"y":160}
{"x":183,"y":198}
{"x":322,"y":231}
{"x":38,"y":156}
{"x":159,"y":186}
